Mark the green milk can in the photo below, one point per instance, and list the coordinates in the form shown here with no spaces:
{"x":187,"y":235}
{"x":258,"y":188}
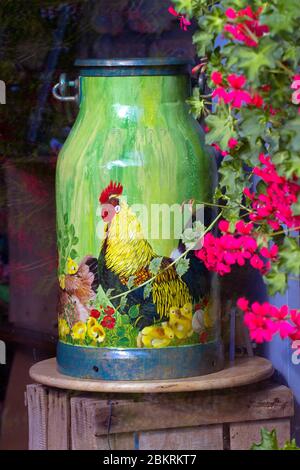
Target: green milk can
{"x":135,"y":302}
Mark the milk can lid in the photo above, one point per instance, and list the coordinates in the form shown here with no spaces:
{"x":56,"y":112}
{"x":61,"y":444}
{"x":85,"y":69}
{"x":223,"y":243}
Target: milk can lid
{"x":134,"y":66}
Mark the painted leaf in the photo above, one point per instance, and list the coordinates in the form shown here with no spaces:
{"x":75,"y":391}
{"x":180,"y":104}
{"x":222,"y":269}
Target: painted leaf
{"x":73,"y":254}
{"x":109,"y":292}
{"x":123,"y":303}
{"x":134,"y":311}
{"x":182,"y":266}
{"x":147,"y":290}
{"x":154,"y":265}
{"x":130,"y":283}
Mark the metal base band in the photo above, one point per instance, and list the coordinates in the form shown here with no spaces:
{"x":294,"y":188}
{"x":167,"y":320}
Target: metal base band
{"x":140,"y":364}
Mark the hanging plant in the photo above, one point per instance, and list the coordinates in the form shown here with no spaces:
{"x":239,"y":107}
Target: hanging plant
{"x":252,"y":53}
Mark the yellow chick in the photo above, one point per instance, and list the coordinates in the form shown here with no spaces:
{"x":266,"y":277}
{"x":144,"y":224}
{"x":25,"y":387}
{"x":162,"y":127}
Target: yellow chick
{"x":155,"y":336}
{"x":187,"y":311}
{"x":180,"y":321}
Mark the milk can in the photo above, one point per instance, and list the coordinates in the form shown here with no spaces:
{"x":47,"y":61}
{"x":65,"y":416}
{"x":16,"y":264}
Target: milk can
{"x":135,"y":301}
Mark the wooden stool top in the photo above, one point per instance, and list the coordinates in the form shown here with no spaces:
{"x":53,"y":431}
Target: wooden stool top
{"x":244,"y":371}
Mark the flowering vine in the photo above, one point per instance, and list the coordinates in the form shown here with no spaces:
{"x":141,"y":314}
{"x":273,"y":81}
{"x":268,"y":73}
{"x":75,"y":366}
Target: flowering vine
{"x":252,"y":53}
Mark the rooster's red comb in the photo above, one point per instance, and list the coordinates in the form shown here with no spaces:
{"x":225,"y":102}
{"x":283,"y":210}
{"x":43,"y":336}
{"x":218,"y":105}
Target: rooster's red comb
{"x":113,"y":188}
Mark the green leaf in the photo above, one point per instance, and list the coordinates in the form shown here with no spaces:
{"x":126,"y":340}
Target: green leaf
{"x":252,"y":60}
{"x":154,"y":265}
{"x":290,"y":256}
{"x":290,"y":445}
{"x":276,"y":281}
{"x":221,"y":129}
{"x":182,"y":266}
{"x":66,"y":219}
{"x":123,"y":342}
{"x":134,"y":311}
{"x":147,"y":290}
{"x":268,"y":441}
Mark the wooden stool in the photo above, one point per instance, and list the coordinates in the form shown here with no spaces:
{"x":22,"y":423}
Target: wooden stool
{"x":195,"y":413}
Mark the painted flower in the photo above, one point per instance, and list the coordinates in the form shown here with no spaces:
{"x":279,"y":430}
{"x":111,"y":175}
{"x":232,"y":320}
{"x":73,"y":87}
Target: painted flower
{"x":63,"y":328}
{"x":109,"y":311}
{"x":97,"y":333}
{"x":95,"y":313}
{"x":62,"y":281}
{"x":72,"y":266}
{"x":108,"y":322}
{"x":91,"y":322}
{"x":79,"y":330}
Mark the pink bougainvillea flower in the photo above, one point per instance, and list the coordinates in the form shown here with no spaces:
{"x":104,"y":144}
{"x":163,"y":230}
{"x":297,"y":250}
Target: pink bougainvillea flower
{"x":270,"y":253}
{"x":224,"y":226}
{"x":237,"y":96}
{"x":183,"y":21}
{"x":217,"y":77}
{"x":108,"y":322}
{"x":218,"y":148}
{"x":232,"y":143}
{"x":244,"y":25}
{"x":244,"y":228}
{"x":243,"y":304}
{"x":274,"y":206}
{"x":221,"y":94}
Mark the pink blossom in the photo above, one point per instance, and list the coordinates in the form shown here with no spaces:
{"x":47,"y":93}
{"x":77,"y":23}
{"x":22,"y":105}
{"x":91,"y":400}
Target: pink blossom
{"x":245,"y":20}
{"x":183,"y":21}
{"x":243,"y":228}
{"x":243,"y":304}
{"x":232,"y":143}
{"x":224,"y":226}
{"x":216,"y":77}
{"x":221,"y":94}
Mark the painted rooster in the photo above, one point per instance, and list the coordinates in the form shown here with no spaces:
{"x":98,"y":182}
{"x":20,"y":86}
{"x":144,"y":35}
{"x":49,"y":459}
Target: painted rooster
{"x":125,"y":254}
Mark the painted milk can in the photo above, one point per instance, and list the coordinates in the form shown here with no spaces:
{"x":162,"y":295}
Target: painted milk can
{"x":135,"y":302}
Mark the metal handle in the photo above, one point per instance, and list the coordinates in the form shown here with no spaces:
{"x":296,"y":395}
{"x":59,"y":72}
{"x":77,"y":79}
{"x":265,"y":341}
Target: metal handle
{"x":59,"y":90}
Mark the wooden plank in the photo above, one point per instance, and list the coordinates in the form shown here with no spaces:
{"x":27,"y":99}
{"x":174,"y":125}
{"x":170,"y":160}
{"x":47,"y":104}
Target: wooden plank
{"x":166,"y":411}
{"x":58,"y":420}
{"x":243,"y":435}
{"x":83,"y":435}
{"x":197,"y":438}
{"x":37,"y":402}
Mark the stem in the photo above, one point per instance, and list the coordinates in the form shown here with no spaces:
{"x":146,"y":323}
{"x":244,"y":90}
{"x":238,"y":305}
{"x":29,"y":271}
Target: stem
{"x":171,"y":264}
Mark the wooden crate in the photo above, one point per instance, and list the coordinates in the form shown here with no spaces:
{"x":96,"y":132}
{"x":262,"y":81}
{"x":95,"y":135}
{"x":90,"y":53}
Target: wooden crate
{"x":219,"y":419}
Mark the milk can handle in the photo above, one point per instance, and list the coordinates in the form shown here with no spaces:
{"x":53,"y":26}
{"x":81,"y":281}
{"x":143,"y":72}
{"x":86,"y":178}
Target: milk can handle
{"x":59,"y":89}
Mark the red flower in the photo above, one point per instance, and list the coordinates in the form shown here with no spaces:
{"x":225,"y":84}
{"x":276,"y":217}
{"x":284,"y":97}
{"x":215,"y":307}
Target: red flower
{"x":224,"y":226}
{"x":109,"y":311}
{"x":245,"y":21}
{"x":108,"y":322}
{"x":257,"y":101}
{"x":95,"y":313}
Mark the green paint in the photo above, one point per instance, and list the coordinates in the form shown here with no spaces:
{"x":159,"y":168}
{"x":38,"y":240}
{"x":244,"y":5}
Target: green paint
{"x":136,"y":130}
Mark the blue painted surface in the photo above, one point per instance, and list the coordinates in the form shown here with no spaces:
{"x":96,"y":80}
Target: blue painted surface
{"x":280,"y":353}
{"x":139,"y":364}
